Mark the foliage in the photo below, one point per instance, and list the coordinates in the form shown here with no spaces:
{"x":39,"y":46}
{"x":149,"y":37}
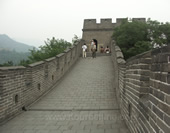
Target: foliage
{"x":24,"y":62}
{"x":51,"y":48}
{"x":137,"y":37}
{"x":75,"y":39}
{"x":129,"y":36}
{"x":8,"y":63}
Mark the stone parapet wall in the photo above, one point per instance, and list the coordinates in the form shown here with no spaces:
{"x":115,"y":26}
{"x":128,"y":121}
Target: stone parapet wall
{"x":21,"y":86}
{"x":159,"y":93}
{"x":143,"y":89}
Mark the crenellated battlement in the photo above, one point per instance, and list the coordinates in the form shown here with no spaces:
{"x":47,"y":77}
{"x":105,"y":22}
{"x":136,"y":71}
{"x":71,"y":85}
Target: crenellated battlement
{"x":93,"y":25}
{"x":139,"y":19}
{"x":105,"y":23}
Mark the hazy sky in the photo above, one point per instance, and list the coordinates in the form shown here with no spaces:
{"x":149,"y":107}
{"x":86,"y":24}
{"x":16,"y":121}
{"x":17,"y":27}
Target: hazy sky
{"x":33,"y":21}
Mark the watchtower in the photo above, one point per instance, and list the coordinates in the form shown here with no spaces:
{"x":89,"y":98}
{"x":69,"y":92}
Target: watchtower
{"x":102,"y":31}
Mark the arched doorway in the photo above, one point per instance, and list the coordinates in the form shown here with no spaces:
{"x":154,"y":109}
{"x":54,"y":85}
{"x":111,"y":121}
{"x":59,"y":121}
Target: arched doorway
{"x":96,"y":43}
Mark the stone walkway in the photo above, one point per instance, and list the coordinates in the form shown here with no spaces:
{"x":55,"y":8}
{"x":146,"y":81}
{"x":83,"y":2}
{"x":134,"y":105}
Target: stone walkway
{"x":83,"y":102}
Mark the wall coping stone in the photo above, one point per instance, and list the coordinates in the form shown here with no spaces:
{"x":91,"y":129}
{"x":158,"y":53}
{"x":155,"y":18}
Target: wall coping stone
{"x":67,"y":50}
{"x":121,"y":61}
{"x":60,"y":55}
{"x":139,"y":56}
{"x":72,"y":47}
{"x":76,"y":44}
{"x":50,"y":59}
{"x":117,"y":48}
{"x":36,"y":63}
{"x":165,"y":49}
{"x":12,"y":68}
{"x":119,"y":54}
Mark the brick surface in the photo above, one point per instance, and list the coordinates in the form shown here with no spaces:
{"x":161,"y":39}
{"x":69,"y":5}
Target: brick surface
{"x":83,"y":102}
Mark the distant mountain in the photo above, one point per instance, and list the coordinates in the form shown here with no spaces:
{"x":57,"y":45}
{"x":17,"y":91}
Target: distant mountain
{"x":15,"y":57}
{"x":6,"y":43}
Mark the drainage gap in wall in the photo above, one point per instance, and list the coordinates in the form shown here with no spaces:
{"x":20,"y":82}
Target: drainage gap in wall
{"x":39,"y":86}
{"x":24,"y":108}
{"x":16,"y":98}
{"x":130,"y":109}
{"x":52,"y":77}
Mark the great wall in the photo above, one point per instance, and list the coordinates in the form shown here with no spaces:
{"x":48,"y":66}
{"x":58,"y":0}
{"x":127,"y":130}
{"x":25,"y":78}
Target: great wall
{"x":141,"y":83}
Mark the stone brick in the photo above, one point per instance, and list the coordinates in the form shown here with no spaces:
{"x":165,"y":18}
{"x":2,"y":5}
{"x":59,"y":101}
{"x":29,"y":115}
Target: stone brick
{"x":155,"y":84}
{"x":144,"y":78}
{"x":167,"y":99}
{"x":153,"y":99}
{"x":144,"y":126}
{"x":158,"y":112}
{"x":167,"y":119}
{"x":165,"y":68}
{"x":159,"y":94}
{"x":145,"y":60}
{"x":156,"y":51}
{"x":168,"y":78}
{"x":163,"y":77}
{"x":155,"y":67}
{"x":154,"y":126}
{"x":165,"y":88}
{"x":143,"y":110}
{"x":157,"y":76}
{"x":163,"y":125}
{"x":164,"y":58}
{"x":165,"y":49}
{"x":164,"y":107}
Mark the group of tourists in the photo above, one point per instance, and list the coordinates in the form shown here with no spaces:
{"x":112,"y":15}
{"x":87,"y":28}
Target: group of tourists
{"x":94,"y":49}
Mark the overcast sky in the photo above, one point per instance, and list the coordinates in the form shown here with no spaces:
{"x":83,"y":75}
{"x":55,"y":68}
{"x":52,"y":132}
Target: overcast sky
{"x":33,"y":21}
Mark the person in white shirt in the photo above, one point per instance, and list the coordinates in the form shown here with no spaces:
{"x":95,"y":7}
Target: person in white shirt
{"x":107,"y":50}
{"x":84,"y":47}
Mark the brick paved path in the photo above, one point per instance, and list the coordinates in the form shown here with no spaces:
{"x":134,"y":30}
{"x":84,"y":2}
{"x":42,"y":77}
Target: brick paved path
{"x":83,"y":102}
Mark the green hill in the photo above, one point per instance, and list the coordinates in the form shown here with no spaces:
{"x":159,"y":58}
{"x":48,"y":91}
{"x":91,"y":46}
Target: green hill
{"x":9,"y":44}
{"x":15,"y":57}
{"x":11,"y":50}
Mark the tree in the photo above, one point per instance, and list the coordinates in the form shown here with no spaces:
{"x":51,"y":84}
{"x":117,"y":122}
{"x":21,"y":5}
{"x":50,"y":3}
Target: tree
{"x":24,"y":62}
{"x":75,"y":39}
{"x":165,"y":30}
{"x":159,"y":32}
{"x":51,"y":48}
{"x":132,"y":38}
{"x":8,"y":63}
